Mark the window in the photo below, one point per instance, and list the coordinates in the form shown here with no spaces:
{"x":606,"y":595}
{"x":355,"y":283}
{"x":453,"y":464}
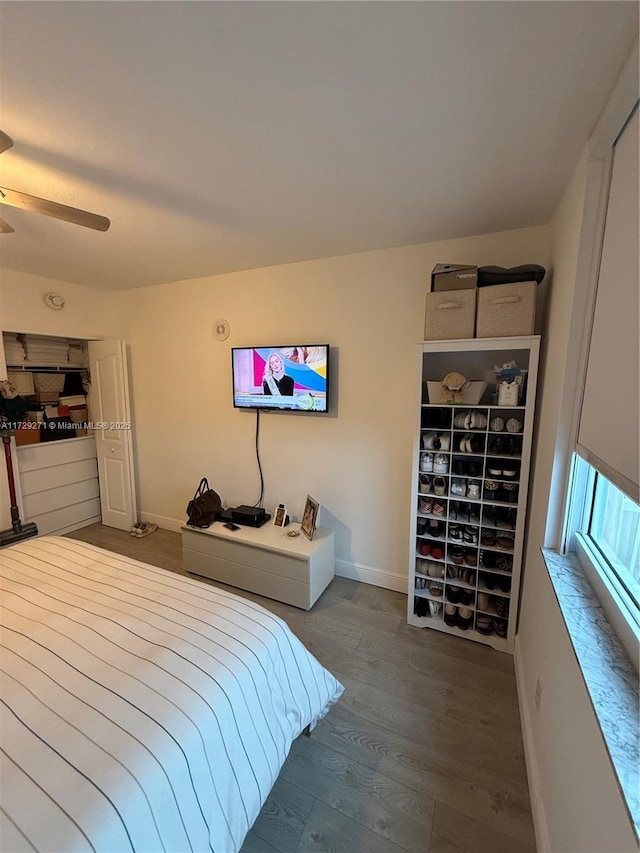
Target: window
{"x":604,"y":531}
{"x":604,"y":516}
{"x":614,"y":527}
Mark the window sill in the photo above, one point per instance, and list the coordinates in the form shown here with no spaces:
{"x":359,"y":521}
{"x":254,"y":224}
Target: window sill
{"x":609,"y":675}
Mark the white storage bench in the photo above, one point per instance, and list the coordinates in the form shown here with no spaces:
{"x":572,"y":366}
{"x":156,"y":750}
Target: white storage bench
{"x":264,"y":560}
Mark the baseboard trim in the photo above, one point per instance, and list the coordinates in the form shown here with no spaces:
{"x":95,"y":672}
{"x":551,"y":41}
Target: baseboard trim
{"x":375,"y":577}
{"x":533,"y":773}
{"x":164,"y":523}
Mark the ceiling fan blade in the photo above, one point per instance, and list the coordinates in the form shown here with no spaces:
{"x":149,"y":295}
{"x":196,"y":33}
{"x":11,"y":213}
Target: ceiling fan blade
{"x":5,"y":228}
{"x":52,"y":208}
{"x":5,"y":141}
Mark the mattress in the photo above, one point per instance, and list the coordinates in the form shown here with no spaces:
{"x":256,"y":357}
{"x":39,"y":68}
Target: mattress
{"x":140,"y":710}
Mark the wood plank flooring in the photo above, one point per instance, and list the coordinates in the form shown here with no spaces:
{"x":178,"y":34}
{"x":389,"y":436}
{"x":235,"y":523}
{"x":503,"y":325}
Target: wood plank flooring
{"x":423,"y":752}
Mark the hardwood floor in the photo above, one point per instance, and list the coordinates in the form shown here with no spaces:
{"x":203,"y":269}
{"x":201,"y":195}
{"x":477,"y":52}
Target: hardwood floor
{"x":423,"y":752}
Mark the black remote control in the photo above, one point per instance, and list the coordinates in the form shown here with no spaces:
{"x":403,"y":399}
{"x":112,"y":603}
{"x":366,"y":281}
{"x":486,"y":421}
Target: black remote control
{"x":231,"y":526}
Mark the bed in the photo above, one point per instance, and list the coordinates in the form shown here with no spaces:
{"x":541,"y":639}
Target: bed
{"x":140,"y":710}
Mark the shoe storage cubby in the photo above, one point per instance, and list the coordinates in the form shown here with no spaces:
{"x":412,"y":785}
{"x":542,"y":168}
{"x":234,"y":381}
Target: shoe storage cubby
{"x":469,"y":490}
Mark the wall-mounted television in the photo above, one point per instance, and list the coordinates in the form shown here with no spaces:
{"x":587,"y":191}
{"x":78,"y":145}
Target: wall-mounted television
{"x":283,"y":378}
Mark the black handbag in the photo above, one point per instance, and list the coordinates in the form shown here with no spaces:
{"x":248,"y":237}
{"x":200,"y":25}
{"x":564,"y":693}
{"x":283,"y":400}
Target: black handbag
{"x":205,"y":506}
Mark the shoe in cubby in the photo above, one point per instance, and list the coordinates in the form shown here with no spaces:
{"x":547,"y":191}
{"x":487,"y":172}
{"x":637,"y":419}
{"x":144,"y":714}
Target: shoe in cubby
{"x":435,"y":528}
{"x":458,"y":487}
{"x":420,"y":606}
{"x":440,"y":464}
{"x":425,"y":484}
{"x":426,"y":463}
{"x":484,"y":624}
{"x":450,"y":615}
{"x":510,"y":492}
{"x":505,"y":541}
{"x":464,"y":619}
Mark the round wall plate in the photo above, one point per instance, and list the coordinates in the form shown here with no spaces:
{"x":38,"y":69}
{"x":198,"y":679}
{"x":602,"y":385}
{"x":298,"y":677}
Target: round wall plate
{"x":222,"y":329}
{"x":54,"y":300}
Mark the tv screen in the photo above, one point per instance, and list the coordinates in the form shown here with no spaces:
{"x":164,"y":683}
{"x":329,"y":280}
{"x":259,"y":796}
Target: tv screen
{"x":288,"y":378}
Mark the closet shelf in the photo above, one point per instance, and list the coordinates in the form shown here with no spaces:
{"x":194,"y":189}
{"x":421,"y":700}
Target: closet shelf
{"x":48,"y":368}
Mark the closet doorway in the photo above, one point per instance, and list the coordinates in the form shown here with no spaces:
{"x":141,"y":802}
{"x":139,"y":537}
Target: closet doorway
{"x":71,"y":482}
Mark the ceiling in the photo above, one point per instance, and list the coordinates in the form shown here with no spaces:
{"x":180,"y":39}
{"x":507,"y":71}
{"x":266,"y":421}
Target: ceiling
{"x":221,"y":136}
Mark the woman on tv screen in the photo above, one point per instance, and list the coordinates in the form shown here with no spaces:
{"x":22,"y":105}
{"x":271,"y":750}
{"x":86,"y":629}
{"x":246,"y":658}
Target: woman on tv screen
{"x":275,"y":382}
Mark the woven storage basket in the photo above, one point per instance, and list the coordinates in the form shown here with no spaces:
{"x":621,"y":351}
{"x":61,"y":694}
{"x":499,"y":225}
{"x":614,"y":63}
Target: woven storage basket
{"x":506,"y":310}
{"x":49,"y":382}
{"x":449,"y":315}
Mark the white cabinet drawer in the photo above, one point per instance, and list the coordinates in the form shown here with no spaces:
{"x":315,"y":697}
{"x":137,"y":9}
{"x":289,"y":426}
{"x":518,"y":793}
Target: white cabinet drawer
{"x":295,"y":592}
{"x":248,"y":555}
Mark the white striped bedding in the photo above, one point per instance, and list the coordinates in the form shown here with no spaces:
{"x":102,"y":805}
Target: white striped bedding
{"x":140,"y":710}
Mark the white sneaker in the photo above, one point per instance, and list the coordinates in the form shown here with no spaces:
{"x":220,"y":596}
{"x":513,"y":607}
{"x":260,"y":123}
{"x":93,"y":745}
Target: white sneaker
{"x":426,"y":463}
{"x":145,"y":529}
{"x":440,"y":464}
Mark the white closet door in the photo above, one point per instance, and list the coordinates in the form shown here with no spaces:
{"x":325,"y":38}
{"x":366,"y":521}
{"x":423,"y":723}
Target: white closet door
{"x":110,"y":412}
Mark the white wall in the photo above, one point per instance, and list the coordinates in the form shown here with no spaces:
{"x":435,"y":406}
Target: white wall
{"x":87,"y":313}
{"x":577,"y":802}
{"x":356,"y":462}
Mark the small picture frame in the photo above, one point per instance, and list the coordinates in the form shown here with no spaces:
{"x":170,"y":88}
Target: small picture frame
{"x":280,"y":516}
{"x":309,"y":517}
